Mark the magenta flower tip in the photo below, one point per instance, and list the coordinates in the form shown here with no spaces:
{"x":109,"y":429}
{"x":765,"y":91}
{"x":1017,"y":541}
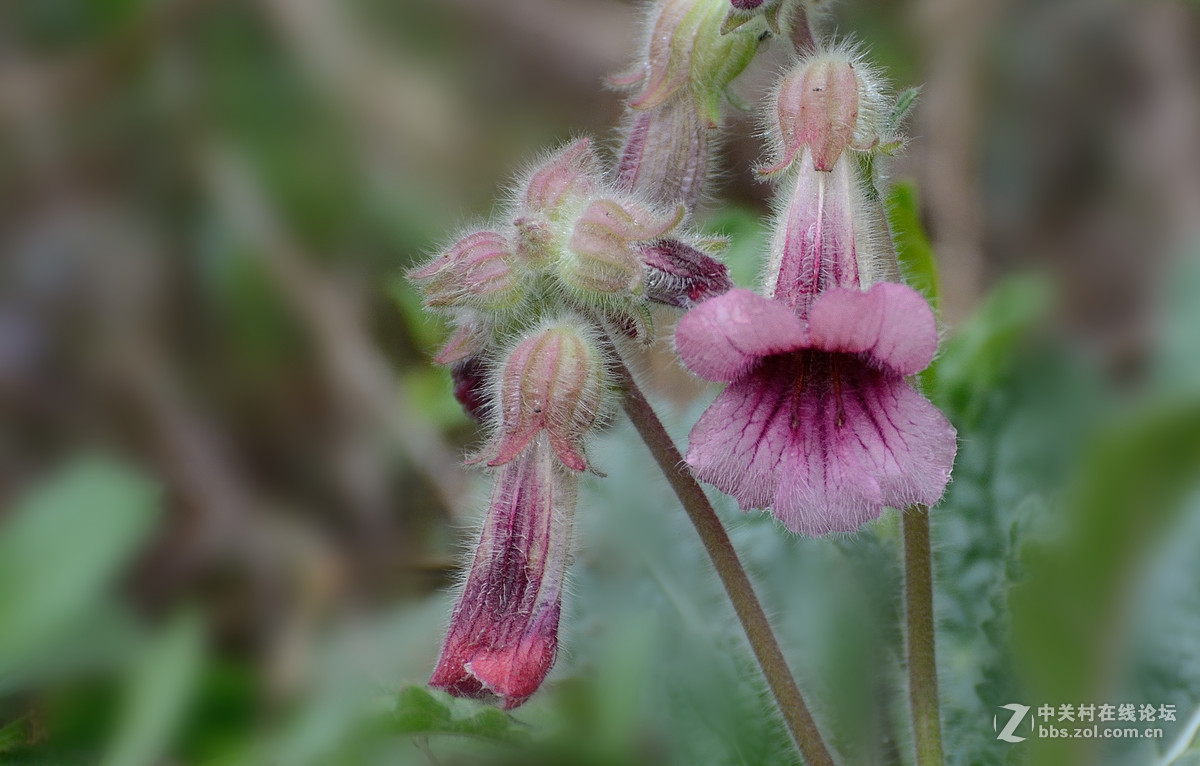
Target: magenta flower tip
{"x":471,"y":387}
{"x":679,"y":275}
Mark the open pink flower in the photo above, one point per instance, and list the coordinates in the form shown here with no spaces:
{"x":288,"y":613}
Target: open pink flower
{"x":503,"y":634}
{"x":818,"y":422}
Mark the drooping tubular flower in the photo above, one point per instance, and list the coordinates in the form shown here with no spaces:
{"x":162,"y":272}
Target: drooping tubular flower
{"x":818,"y":421}
{"x":503,"y":634}
{"x":687,"y":61}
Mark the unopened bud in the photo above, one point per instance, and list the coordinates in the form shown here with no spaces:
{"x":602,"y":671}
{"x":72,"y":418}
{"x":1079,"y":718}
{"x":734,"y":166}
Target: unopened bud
{"x":679,"y":275}
{"x":601,"y":257}
{"x":470,"y":337}
{"x":552,"y":382}
{"x":471,"y":387}
{"x":829,"y":103}
{"x":571,"y":173}
{"x":687,"y":52}
{"x":478,"y":270}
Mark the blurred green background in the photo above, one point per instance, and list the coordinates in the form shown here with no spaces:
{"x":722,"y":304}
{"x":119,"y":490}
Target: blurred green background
{"x":233,"y":504}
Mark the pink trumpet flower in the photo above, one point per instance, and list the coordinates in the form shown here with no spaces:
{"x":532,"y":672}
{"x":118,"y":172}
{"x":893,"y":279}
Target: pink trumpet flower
{"x":819,"y":422}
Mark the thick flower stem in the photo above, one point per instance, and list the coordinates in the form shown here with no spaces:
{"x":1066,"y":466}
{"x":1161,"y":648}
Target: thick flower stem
{"x":733,"y":576}
{"x":922,"y":663}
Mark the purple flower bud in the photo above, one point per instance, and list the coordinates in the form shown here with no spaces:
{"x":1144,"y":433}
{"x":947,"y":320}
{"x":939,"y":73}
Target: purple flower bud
{"x":551,"y":382}
{"x":602,"y":258}
{"x":478,"y":270}
{"x":679,"y":275}
{"x":471,"y":387}
{"x":503,"y":634}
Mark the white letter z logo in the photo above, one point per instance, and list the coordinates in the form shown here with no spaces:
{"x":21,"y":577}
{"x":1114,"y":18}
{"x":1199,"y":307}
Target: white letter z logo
{"x":1007,"y":735}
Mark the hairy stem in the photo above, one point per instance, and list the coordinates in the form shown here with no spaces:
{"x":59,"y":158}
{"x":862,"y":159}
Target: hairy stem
{"x":733,"y":576}
{"x":922,"y":662}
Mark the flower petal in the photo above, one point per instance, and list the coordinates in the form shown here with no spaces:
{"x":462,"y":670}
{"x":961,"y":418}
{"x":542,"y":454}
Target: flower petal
{"x":890,"y":323}
{"x":724,"y":338}
{"x":737,"y":443}
{"x":864,"y":439}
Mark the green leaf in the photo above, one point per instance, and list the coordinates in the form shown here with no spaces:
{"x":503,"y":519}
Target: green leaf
{"x":904,"y":104}
{"x":13,"y":735}
{"x":418,"y":712}
{"x":976,"y":357}
{"x":61,"y":549}
{"x":917,"y":261}
{"x":748,"y":242}
{"x":1013,"y":455}
{"x":159,"y":691}
{"x":1070,"y":611}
